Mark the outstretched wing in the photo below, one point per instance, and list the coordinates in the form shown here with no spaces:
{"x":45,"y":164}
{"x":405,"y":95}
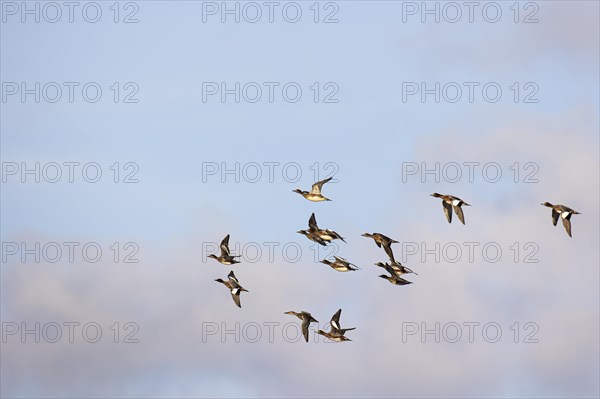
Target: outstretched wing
{"x":225,"y":246}
{"x":312,"y":222}
{"x":305,"y":324}
{"x":233,"y":277}
{"x":459,"y":213}
{"x":235,"y":294}
{"x":389,"y":252}
{"x":335,"y":320}
{"x":316,"y":188}
{"x":555,"y":216}
{"x":447,"y":211}
{"x":567,"y":224}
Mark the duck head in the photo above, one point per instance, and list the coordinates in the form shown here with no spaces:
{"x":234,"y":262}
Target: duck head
{"x":547,"y":204}
{"x":436,"y":195}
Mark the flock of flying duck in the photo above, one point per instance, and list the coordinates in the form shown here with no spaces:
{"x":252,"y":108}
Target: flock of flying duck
{"x":394,"y":268}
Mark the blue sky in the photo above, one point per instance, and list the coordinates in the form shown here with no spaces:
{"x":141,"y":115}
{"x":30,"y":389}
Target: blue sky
{"x":368,"y":135}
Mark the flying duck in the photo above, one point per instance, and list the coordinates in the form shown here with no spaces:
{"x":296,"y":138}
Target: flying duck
{"x":564,"y":212}
{"x":340,"y":264}
{"x":234,"y":286}
{"x":395,"y":279}
{"x":315,"y":192}
{"x":394,"y":276}
{"x":311,"y":235}
{"x":397,"y":268}
{"x":450,"y":202}
{"x":306,"y":320}
{"x":336,"y":333}
{"x":382,"y":241}
{"x":321,"y":236}
{"x":225,"y":258}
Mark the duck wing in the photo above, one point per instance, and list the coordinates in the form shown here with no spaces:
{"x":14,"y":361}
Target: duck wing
{"x":316,"y":188}
{"x":232,"y":277}
{"x":555,"y":216}
{"x":305,"y":324}
{"x":389,"y":252}
{"x":235,"y":295}
{"x":567,"y":224}
{"x":335,"y":235}
{"x":459,"y":213}
{"x":312,"y":223}
{"x":225,"y":246}
{"x":447,"y":211}
{"x":335,"y":321}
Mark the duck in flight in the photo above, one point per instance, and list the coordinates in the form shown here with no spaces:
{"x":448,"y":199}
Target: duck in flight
{"x":382,"y":241}
{"x":336,"y":333}
{"x":396,"y":267}
{"x":321,"y":236}
{"x":565,"y":213}
{"x":234,"y":287}
{"x":306,"y":320}
{"x":311,"y":235}
{"x":450,"y":202}
{"x":340,"y":264}
{"x":225,"y":258}
{"x":315,"y":192}
{"x":394,"y":277}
